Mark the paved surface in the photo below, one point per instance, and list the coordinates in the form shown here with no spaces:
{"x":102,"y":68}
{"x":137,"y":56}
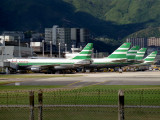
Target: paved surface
{"x":126,"y":78}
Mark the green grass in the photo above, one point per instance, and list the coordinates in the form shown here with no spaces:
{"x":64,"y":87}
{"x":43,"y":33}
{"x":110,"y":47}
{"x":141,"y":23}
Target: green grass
{"x":80,"y":113}
{"x":28,"y":87}
{"x":93,"y":95}
{"x":123,"y":87}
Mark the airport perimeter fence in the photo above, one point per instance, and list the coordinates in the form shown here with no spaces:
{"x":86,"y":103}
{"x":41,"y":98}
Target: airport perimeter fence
{"x":80,"y":104}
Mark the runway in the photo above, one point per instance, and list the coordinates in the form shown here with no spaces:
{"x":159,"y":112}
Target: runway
{"x":105,"y":78}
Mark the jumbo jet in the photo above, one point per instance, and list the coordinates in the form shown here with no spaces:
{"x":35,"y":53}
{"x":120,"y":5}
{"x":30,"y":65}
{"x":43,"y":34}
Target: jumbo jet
{"x":52,"y":64}
{"x":149,"y":60}
{"x":134,"y":57}
{"x":118,"y":56}
{"x":131,"y":54}
{"x":139,"y":61}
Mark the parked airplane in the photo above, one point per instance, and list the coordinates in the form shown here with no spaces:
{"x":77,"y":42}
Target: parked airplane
{"x":135,"y":58}
{"x":150,"y":59}
{"x":52,"y":64}
{"x":119,"y":55}
{"x":131,"y":54}
{"x":140,"y":54}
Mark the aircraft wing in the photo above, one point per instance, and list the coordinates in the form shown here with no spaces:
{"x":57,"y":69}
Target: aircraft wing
{"x":48,"y":66}
{"x":84,"y":62}
{"x":39,"y":67}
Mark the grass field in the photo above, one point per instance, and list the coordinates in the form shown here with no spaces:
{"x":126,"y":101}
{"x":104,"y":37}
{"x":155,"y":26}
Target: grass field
{"x":79,"y":113}
{"x":92,"y":95}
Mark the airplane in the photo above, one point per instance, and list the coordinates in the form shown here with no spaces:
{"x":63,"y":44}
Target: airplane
{"x":134,"y":58}
{"x":119,"y":55}
{"x":52,"y":65}
{"x":150,"y":59}
{"x":131,"y":54}
{"x":140,"y":54}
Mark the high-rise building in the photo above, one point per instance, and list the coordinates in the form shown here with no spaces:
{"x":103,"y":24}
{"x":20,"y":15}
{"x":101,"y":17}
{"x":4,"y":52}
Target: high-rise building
{"x":58,"y":36}
{"x":66,"y":37}
{"x":142,"y":42}
{"x":75,"y":36}
{"x":84,"y":36}
{"x":63,"y":37}
{"x":79,"y":36}
{"x":153,"y":41}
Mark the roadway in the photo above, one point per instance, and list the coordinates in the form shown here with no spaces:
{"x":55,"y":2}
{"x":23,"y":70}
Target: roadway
{"x":105,"y":78}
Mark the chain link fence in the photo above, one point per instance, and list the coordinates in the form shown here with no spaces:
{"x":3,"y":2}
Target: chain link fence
{"x":78,"y":104}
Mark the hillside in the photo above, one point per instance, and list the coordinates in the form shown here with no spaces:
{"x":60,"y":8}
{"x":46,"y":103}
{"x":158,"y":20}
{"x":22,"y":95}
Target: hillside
{"x":148,"y":32}
{"x":114,"y":19}
{"x":120,"y":11}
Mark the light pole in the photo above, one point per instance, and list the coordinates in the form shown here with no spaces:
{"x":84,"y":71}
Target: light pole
{"x":27,"y":45}
{"x":3,"y":48}
{"x":43,"y":47}
{"x":59,"y":50}
{"x":65,"y":48}
{"x":96,"y":53}
{"x":93,"y":53}
{"x":31,"y":45}
{"x":19,"y":46}
{"x":4,"y":40}
{"x":50,"y":48}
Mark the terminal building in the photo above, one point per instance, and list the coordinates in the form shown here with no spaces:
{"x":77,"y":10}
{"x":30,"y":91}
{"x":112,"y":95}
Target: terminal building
{"x":11,"y":47}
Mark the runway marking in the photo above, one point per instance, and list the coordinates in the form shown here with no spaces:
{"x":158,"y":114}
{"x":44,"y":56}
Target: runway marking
{"x":73,"y":83}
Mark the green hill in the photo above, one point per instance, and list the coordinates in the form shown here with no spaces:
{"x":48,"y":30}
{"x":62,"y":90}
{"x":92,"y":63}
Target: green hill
{"x":148,"y":32}
{"x":114,"y":19}
{"x":120,"y":11}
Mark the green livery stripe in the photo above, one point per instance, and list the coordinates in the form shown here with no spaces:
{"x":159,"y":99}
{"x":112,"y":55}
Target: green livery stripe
{"x":120,"y":52}
{"x":85,"y":53}
{"x":135,"y":47}
{"x":131,"y":54}
{"x":83,"y":57}
{"x":151,"y":57}
{"x":131,"y":57}
{"x":140,"y":53}
{"x":89,"y":46}
{"x":117,"y":56}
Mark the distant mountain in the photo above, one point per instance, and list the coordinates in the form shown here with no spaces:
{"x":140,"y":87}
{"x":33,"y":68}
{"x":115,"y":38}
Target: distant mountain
{"x":115,"y":19}
{"x":120,"y":11}
{"x":148,"y":32}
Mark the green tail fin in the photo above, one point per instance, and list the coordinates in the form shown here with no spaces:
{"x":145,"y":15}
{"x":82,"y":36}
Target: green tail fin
{"x":86,"y":53}
{"x":131,"y":54}
{"x":140,"y":53}
{"x":121,"y":52}
{"x":151,"y":57}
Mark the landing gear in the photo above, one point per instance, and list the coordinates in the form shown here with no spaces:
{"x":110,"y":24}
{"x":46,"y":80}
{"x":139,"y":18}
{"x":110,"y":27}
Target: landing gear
{"x":83,"y":70}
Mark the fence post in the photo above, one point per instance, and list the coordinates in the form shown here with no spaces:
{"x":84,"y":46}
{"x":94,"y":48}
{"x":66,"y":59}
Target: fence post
{"x":31,"y":101}
{"x":40,"y":104}
{"x":120,"y":105}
